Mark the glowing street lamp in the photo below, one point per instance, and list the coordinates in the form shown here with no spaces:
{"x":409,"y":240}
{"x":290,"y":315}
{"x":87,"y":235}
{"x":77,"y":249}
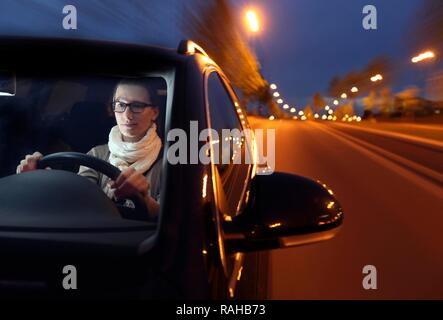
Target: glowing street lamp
{"x":273,"y":86}
{"x":376,"y":78}
{"x":327,"y":108}
{"x":276,"y":94}
{"x":344,"y":95}
{"x":423,"y":56}
{"x":285,"y":106}
{"x":354,"y":89}
{"x":293,"y":110}
{"x":336,"y":102}
{"x":252,"y":21}
{"x":280,"y":101}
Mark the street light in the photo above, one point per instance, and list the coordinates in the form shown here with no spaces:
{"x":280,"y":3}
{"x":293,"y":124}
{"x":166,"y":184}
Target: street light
{"x":354,"y":89}
{"x":423,"y":56}
{"x":293,"y":110}
{"x":273,"y":86}
{"x":285,"y":106}
{"x":280,"y":101}
{"x":336,"y":102}
{"x":344,"y":95}
{"x":252,"y":21}
{"x":327,"y":108}
{"x":276,"y":94}
{"x":376,"y":78}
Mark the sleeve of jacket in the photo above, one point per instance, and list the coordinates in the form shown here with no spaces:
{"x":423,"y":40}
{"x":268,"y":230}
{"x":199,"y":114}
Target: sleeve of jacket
{"x":88,"y":172}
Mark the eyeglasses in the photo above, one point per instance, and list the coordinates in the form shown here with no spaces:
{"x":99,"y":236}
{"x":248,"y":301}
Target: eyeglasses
{"x":135,"y":107}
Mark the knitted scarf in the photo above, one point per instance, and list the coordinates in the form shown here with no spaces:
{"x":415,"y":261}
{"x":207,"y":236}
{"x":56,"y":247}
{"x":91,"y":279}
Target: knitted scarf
{"x":139,"y":155}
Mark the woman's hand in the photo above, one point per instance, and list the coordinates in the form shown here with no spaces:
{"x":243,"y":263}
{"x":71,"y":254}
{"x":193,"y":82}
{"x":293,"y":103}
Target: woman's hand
{"x":29,"y":163}
{"x":128,"y":183}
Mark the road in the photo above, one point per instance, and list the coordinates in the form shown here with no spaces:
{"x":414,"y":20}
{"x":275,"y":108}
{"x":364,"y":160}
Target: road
{"x":392,"y":195}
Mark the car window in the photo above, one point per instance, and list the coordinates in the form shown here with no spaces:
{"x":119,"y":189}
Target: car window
{"x":232,"y":176}
{"x":62,"y":113}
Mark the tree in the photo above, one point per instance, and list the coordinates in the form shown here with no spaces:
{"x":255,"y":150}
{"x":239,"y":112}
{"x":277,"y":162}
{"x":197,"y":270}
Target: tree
{"x":369,"y":103}
{"x":318,"y":102}
{"x":308,"y":112}
{"x":362,"y":79}
{"x":428,"y":27}
{"x":212,"y":24}
{"x":344,"y":109}
{"x":386,"y":101}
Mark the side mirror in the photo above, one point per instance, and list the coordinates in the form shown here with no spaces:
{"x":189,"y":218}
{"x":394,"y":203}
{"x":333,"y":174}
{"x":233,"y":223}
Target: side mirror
{"x":284,"y":210}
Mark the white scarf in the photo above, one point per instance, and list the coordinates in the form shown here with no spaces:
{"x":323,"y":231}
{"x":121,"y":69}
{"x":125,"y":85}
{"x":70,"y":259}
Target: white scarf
{"x":139,"y":155}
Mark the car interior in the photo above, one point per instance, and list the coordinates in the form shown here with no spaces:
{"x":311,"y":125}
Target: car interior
{"x":52,"y":114}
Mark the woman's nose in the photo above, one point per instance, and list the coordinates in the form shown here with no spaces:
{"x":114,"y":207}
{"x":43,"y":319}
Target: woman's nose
{"x":128,"y":113}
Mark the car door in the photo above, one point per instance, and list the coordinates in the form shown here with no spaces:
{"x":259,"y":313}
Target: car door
{"x":231,"y":178}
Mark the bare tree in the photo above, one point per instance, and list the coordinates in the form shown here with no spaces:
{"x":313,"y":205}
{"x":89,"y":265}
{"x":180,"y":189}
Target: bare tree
{"x":212,"y":24}
{"x":362,"y":79}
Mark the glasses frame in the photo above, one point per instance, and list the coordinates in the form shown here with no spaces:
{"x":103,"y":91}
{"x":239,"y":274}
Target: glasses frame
{"x":131,"y":107}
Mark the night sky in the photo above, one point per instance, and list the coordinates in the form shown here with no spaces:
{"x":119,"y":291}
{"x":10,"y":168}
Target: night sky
{"x":302,"y":45}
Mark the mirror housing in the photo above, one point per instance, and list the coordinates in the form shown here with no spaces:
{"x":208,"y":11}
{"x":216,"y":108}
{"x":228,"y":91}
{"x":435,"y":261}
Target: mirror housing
{"x":284,"y":210}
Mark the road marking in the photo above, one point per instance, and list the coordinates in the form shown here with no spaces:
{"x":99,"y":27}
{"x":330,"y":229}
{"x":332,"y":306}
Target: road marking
{"x":421,"y":126}
{"x":391,"y":161}
{"x":401,"y":136}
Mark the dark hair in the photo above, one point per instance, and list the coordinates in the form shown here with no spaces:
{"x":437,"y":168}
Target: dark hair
{"x":145,"y":83}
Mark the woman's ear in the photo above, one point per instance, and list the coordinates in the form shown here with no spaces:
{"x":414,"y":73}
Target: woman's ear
{"x":157,"y":113}
{"x":109,"y":110}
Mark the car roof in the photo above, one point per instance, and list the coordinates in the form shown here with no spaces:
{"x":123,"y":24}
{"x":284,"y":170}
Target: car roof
{"x":33,"y":53}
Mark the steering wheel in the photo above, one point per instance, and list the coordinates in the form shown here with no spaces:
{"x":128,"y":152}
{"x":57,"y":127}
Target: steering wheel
{"x":99,"y":165}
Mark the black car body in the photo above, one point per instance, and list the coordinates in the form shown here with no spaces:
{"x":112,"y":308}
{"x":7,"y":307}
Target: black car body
{"x":215,"y":222}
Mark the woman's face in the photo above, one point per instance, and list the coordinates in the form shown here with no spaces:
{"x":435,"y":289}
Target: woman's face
{"x":134,"y":126}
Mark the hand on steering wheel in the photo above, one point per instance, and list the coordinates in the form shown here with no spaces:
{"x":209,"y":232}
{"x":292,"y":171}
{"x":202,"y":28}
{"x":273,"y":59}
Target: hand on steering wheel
{"x":99,"y":165}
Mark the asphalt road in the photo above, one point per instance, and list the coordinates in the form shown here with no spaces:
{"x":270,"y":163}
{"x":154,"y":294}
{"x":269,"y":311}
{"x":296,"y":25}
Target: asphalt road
{"x":392,"y":195}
